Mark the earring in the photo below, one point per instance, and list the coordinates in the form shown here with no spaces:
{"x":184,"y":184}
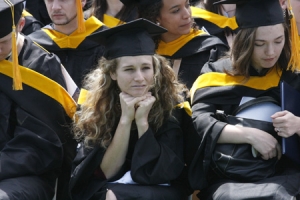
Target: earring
{"x":157,"y":23}
{"x":290,"y":14}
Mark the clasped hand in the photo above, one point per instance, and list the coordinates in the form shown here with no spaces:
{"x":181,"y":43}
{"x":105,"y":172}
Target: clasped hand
{"x":286,"y":123}
{"x":267,"y":146}
{"x":136,"y":108}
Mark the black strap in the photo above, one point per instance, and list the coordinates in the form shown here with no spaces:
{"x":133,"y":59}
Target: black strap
{"x":253,"y":102}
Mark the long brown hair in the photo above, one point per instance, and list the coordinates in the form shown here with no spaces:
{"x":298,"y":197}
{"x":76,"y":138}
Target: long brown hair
{"x":99,"y":115}
{"x":242,"y":50}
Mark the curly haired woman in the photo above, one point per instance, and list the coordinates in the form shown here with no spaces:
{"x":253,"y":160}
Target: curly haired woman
{"x":132,"y":141}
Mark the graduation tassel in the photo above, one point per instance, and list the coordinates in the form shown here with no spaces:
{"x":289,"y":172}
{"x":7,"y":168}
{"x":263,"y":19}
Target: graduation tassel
{"x":80,"y":17}
{"x":17,"y":79}
{"x":294,"y":63}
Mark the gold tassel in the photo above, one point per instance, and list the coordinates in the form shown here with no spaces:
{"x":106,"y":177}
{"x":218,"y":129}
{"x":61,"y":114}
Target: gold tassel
{"x":17,"y":79}
{"x":294,"y":63}
{"x":80,"y":17}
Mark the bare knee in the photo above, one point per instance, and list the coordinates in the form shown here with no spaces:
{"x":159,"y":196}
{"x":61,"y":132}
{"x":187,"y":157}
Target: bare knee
{"x":110,"y":195}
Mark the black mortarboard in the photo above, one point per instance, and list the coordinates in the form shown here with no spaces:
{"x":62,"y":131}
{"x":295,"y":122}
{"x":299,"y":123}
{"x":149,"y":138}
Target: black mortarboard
{"x":6,"y":22}
{"x":131,"y":39}
{"x":255,"y":13}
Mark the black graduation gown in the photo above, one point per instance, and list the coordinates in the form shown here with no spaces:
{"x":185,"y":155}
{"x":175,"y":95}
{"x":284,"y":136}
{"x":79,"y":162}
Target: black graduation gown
{"x":35,"y":138}
{"x":194,"y":53}
{"x":78,"y":54}
{"x":215,"y":24}
{"x":194,"y":49}
{"x":155,"y":158}
{"x":218,"y":91}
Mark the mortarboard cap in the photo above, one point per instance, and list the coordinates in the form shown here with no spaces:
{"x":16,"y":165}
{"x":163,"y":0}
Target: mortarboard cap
{"x":131,"y":39}
{"x":255,"y":13}
{"x":10,"y":13}
{"x":6,"y":22}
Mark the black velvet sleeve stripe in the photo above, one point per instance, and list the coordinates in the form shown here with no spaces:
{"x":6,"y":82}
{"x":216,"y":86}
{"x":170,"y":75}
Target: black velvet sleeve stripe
{"x":199,"y":44}
{"x":216,"y":79}
{"x":44,"y":86}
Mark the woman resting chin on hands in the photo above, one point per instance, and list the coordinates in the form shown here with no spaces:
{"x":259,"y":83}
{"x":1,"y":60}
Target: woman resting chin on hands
{"x":132,"y":144}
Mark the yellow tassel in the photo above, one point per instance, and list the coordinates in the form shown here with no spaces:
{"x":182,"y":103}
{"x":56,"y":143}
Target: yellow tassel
{"x":294,"y":63}
{"x":17,"y":79}
{"x":80,"y":17}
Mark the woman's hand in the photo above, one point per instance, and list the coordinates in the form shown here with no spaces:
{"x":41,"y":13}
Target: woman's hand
{"x":286,"y":123}
{"x":267,"y":146}
{"x":142,"y":111}
{"x":264,"y":143}
{"x":143,"y":108}
{"x":128,"y":106}
{"x":115,"y":154}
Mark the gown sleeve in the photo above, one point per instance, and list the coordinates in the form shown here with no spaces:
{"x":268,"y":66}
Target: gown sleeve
{"x":158,"y":156}
{"x":85,"y":180}
{"x":31,"y":147}
{"x":206,"y":101}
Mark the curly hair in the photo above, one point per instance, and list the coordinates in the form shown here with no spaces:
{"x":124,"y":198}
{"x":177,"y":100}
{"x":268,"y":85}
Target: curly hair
{"x":99,"y":115}
{"x":242,"y":50}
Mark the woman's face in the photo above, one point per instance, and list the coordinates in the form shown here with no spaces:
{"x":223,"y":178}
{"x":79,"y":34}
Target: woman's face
{"x":175,"y":16}
{"x":268,"y":45}
{"x":134,"y":74}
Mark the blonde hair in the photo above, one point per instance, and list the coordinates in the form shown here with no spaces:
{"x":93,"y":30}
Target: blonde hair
{"x":99,"y":115}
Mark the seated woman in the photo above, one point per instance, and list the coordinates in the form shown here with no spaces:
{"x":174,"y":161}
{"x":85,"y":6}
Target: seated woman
{"x":187,"y":47}
{"x":132,"y":146}
{"x":259,"y":60}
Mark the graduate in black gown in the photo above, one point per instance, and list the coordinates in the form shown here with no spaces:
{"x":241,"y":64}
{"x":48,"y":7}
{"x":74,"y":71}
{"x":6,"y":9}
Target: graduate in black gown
{"x":259,"y":60}
{"x":187,"y":48}
{"x":35,"y":115}
{"x":132,"y":142}
{"x":66,"y":37}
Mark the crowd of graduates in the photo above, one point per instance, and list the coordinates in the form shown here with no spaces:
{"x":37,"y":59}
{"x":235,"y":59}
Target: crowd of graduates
{"x":120,"y":99}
